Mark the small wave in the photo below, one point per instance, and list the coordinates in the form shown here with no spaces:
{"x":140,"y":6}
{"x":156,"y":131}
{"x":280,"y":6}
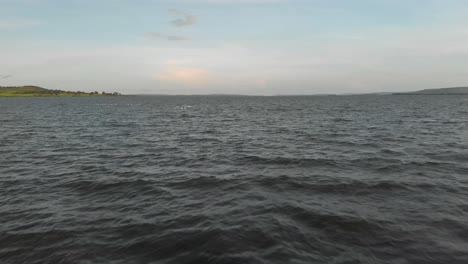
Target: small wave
{"x":303,"y":162}
{"x":215,"y":244}
{"x":200,"y":139}
{"x":325,"y":185}
{"x":340,"y":120}
{"x":328,"y":186}
{"x":51,"y":246}
{"x":337,"y":223}
{"x":185,"y":115}
{"x":201,"y":183}
{"x":93,"y":187}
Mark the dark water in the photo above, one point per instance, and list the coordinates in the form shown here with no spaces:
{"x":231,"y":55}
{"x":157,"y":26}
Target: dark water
{"x":358,"y":179}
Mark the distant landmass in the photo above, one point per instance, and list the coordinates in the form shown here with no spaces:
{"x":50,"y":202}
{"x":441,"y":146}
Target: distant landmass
{"x":36,"y":91}
{"x":33,"y":91}
{"x":439,"y":91}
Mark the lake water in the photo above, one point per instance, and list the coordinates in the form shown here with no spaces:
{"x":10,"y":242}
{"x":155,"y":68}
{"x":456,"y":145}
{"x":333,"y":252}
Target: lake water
{"x":231,"y":179}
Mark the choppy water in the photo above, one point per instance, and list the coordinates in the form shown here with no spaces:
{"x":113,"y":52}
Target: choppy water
{"x":154,"y":179}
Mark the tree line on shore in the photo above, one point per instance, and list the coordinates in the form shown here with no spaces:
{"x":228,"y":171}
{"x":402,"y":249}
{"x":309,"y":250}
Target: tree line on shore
{"x":35,"y":90}
{"x":80,"y":92}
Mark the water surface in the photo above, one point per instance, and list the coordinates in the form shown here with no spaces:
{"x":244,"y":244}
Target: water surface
{"x":222,"y":179}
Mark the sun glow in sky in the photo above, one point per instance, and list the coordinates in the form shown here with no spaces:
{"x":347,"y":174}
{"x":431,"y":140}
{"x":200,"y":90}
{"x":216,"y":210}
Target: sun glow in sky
{"x":234,"y":46}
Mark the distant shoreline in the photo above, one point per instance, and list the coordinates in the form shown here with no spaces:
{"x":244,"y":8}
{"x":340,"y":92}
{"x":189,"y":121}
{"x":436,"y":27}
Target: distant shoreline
{"x":51,"y":95}
{"x":430,"y":94}
{"x":36,"y":91}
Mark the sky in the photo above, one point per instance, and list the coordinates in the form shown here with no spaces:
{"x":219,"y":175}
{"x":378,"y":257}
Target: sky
{"x":262,"y":47}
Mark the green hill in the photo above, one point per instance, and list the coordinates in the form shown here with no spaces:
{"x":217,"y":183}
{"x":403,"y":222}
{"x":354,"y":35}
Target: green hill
{"x":9,"y":90}
{"x":32,"y":91}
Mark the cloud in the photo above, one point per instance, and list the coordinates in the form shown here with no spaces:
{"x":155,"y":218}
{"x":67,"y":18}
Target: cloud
{"x":6,"y":76}
{"x":185,"y":20}
{"x":183,"y":75}
{"x":155,"y":35}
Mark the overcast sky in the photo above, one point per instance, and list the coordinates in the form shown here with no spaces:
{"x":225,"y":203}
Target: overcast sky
{"x":234,"y":46}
